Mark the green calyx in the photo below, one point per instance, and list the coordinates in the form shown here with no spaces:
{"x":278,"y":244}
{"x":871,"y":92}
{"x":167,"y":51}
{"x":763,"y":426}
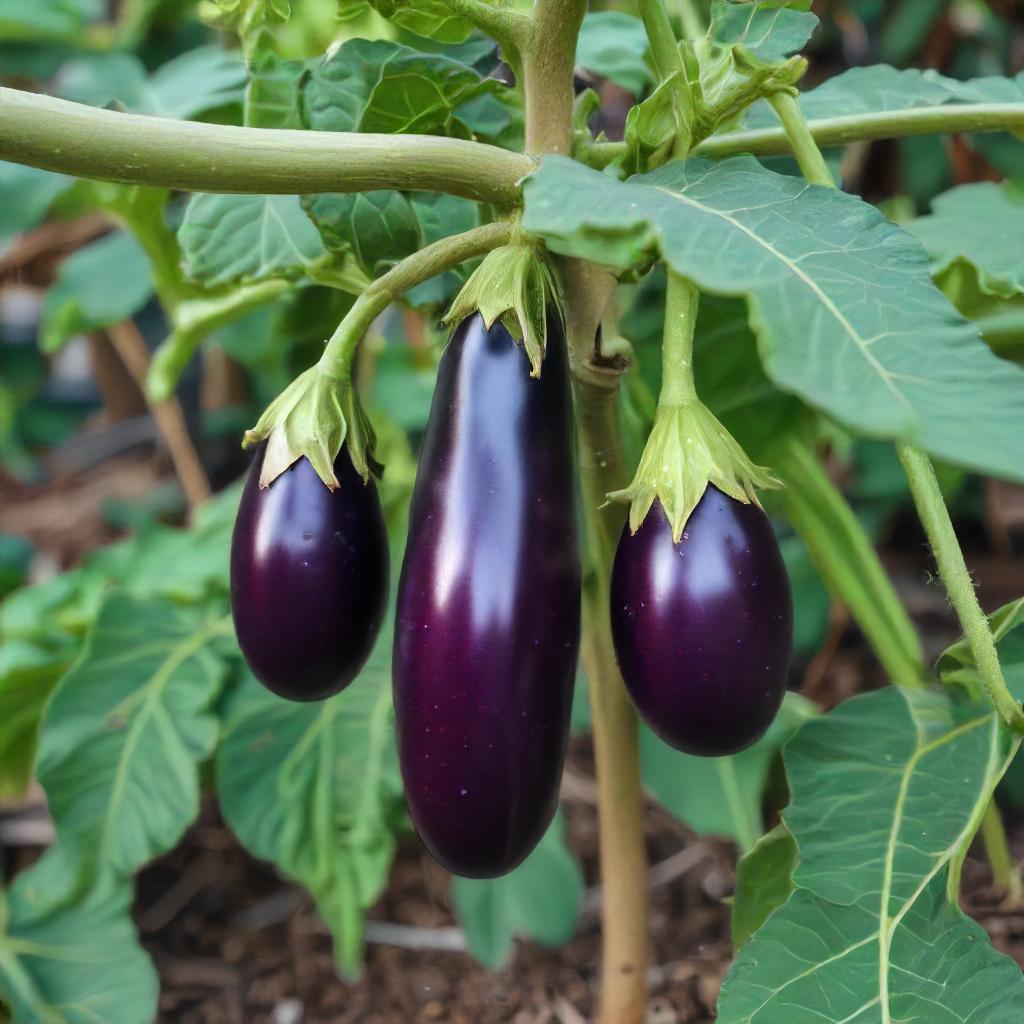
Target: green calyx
{"x":514,"y":284}
{"x":313,"y":417}
{"x":688,"y":448}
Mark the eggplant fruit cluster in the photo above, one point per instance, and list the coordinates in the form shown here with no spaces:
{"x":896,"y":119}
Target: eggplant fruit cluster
{"x":487,"y":624}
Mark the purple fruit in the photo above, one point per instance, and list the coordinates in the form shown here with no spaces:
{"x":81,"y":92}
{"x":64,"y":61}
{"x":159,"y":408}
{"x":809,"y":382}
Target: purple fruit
{"x":488,"y":612}
{"x":703,"y":629}
{"x":309,"y":578}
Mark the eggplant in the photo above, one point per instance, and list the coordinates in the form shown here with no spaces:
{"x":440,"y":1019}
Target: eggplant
{"x":309,"y":577}
{"x":487,"y":621}
{"x":703,"y":629}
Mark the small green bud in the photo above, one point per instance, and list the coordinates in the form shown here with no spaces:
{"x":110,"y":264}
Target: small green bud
{"x":687,"y":449}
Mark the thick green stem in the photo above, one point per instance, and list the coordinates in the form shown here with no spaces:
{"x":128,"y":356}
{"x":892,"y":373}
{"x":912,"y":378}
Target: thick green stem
{"x":507,"y":27}
{"x":681,"y":303}
{"x":934,"y":516}
{"x":91,"y":143}
{"x":669,"y":67}
{"x":692,"y":20}
{"x":805,"y":149}
{"x":846,"y":559}
{"x":336,"y":361}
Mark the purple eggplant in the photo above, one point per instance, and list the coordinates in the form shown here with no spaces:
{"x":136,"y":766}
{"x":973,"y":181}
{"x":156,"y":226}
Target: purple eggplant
{"x":703,"y":629}
{"x":488,"y":612}
{"x":309,"y":578}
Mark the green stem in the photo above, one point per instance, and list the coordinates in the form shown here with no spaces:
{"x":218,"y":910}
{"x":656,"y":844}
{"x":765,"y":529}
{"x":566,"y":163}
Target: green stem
{"x":91,"y":143}
{"x":549,"y":56}
{"x":336,"y":361}
{"x":692,"y":20}
{"x":889,"y":124}
{"x":934,"y":516}
{"x":805,"y":149}
{"x":667,"y":63}
{"x":681,"y":303}
{"x":846,"y":559}
{"x":507,"y":27}
{"x":997,"y":849}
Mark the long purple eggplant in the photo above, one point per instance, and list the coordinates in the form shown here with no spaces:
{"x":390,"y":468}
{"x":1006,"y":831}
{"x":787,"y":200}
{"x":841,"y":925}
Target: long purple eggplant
{"x":488,"y":613}
{"x":703,"y":629}
{"x":309,"y":578}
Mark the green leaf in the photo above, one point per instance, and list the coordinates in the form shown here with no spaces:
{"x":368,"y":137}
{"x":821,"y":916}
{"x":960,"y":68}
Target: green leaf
{"x":769,"y":31}
{"x":315,"y":789}
{"x":27,"y":18}
{"x":228,"y":238}
{"x":377,"y":228}
{"x":541,"y":899}
{"x":191,"y":84}
{"x":720,"y":795}
{"x":764,"y":880}
{"x":613,"y":45}
{"x":378,"y":86}
{"x":879,"y":347}
{"x":274,"y":93}
{"x":100,"y":284}
{"x":123,"y":736}
{"x":79,"y":965}
{"x":980,"y":224}
{"x":28,"y":194}
{"x":880,"y":88}
{"x":956,"y":665}
{"x":887,"y":792}
{"x":433,"y":19}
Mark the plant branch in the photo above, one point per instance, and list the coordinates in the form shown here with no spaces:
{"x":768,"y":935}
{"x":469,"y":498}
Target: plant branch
{"x":72,"y":138}
{"x":681,"y":303}
{"x":839,"y":131}
{"x":934,"y":516}
{"x":506,"y":26}
{"x":336,"y":361}
{"x":549,"y":57}
{"x":805,"y":148}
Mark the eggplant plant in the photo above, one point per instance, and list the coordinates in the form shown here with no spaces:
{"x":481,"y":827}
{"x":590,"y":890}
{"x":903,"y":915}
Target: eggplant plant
{"x":651,"y":340}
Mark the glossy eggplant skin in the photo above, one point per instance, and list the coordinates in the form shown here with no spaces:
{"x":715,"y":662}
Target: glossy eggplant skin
{"x":488,"y":611}
{"x":309,"y":578}
{"x":703,"y":629}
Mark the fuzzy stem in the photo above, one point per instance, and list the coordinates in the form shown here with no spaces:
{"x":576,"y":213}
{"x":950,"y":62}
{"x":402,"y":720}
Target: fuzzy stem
{"x":847,"y":560}
{"x":934,"y":516}
{"x":507,"y":27}
{"x":805,"y":149}
{"x":1004,"y":871}
{"x":336,"y":361}
{"x":681,"y":303}
{"x":91,"y":143}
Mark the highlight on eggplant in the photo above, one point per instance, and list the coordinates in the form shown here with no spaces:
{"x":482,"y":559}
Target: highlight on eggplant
{"x":309,"y":577}
{"x":488,"y":609}
{"x":703,"y":627}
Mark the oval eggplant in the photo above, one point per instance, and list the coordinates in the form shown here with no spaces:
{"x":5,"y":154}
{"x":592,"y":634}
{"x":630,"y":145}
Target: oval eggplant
{"x":488,"y":612}
{"x":309,"y":578}
{"x":703,"y":629}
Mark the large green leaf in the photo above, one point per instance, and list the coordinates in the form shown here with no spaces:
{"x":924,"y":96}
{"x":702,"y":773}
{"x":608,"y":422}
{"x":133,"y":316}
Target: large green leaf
{"x":30,"y":18}
{"x":613,"y":45}
{"x":185,"y":87}
{"x":124,"y":734}
{"x":102,"y":283}
{"x":980,"y":224}
{"x":764,"y":881}
{"x":226,"y":238}
{"x":541,"y":899}
{"x":81,"y":964}
{"x":770,"y":31}
{"x":887,"y":791}
{"x":315,"y":789}
{"x":880,"y":88}
{"x":379,"y":86}
{"x":841,"y":300}
{"x":720,"y":795}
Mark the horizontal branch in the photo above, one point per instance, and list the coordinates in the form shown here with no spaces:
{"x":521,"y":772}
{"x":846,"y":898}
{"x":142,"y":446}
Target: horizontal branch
{"x":839,"y":131}
{"x":88,"y":142}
